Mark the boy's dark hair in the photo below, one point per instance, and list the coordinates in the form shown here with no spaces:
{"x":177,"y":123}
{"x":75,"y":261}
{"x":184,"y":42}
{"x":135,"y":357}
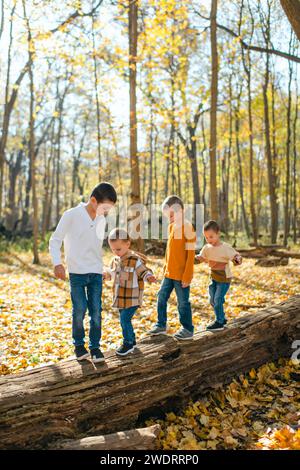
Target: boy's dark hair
{"x":211,"y":225}
{"x":119,"y":234}
{"x":173,"y":200}
{"x":104,"y":192}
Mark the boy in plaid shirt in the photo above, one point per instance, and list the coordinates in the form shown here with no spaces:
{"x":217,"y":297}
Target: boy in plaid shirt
{"x":129,"y":273}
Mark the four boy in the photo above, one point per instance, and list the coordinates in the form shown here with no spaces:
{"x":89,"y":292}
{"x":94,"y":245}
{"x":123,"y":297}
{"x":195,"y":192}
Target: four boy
{"x":82,"y":230}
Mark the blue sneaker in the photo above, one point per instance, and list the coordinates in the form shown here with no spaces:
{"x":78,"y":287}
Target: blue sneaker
{"x":125,"y":349}
{"x":97,"y":355}
{"x":81,"y":353}
{"x":215,"y":326}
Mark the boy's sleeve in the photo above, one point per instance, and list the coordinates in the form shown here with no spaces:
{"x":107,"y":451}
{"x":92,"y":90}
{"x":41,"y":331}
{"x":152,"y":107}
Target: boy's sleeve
{"x":58,"y":236}
{"x":231,"y":252}
{"x":190,"y":245}
{"x":203,"y":252}
{"x":141,"y":270}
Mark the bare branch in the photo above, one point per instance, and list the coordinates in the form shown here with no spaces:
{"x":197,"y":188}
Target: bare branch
{"x":251,"y":47}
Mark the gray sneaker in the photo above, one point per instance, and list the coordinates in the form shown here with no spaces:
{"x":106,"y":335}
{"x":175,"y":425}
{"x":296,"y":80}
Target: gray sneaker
{"x":157,"y":330}
{"x":183,"y":334}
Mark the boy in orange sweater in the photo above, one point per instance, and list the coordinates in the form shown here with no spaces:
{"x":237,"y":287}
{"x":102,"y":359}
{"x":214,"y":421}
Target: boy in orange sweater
{"x":178,"y":269}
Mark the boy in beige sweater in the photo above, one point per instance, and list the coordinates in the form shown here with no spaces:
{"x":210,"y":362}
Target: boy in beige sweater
{"x":218,"y":255}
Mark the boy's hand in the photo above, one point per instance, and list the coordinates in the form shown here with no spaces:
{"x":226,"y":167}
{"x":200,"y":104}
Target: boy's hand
{"x":151,"y":278}
{"x":59,"y":272}
{"x":106,"y":276}
{"x":199,"y":259}
{"x":185,"y":284}
{"x":237,"y":259}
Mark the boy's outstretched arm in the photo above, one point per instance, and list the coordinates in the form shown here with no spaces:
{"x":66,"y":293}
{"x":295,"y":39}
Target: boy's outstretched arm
{"x":55,"y":243}
{"x":144,"y":273}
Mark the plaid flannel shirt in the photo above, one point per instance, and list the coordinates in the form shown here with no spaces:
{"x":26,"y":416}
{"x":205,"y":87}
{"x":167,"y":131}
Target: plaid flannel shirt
{"x":128,"y":273}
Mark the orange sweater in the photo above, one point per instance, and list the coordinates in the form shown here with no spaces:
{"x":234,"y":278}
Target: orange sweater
{"x":180,"y":253}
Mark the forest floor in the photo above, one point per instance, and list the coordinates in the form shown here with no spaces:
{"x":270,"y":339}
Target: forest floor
{"x":35,"y":329}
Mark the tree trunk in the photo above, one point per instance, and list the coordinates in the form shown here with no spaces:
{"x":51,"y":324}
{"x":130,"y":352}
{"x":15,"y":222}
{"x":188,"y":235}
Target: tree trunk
{"x":31,"y":146}
{"x":134,"y":162}
{"x":247,"y":64}
{"x":9,"y":103}
{"x":192,"y":154}
{"x":225,"y":172}
{"x":98,"y":114}
{"x":72,"y":400}
{"x":271,"y":175}
{"x":239,"y":164}
{"x":287,"y":155}
{"x":213,"y":111}
{"x":292,"y":11}
{"x":295,"y":159}
{"x":270,"y":157}
{"x":134,"y":439}
{"x":204,"y":166}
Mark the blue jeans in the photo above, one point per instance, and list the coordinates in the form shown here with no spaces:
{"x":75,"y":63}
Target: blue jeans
{"x":86,"y":291}
{"x":126,"y":315}
{"x":217,"y":292}
{"x":184,"y":305}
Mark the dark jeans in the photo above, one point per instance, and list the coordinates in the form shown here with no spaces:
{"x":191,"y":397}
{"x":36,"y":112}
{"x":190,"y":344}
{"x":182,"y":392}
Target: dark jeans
{"x":217,"y":292}
{"x":184,"y":305}
{"x":86,"y":291}
{"x":126,"y":315}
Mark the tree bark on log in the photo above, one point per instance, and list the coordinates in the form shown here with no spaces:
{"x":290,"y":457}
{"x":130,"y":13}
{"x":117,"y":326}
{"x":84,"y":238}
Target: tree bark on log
{"x":72,"y":400}
{"x":134,"y":439}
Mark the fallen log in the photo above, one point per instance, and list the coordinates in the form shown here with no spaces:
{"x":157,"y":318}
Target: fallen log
{"x":273,"y":245}
{"x":71,"y":400}
{"x":134,"y":439}
{"x":262,"y":252}
{"x":271,"y":262}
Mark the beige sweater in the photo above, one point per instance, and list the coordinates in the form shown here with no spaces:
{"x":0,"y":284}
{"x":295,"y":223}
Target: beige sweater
{"x":223,"y":253}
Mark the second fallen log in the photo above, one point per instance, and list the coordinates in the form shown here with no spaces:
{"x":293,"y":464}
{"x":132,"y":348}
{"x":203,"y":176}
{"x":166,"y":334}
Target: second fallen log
{"x":134,"y":439}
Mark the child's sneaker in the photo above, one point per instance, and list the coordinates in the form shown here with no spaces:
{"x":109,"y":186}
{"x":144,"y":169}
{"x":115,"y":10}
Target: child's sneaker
{"x":81,"y":353}
{"x":183,"y":334}
{"x":157,"y":330}
{"x":216,"y":326}
{"x":125,"y":349}
{"x":97,"y":355}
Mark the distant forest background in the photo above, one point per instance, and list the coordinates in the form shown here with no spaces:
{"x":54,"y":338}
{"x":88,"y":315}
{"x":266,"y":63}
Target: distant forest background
{"x":197,"y":98}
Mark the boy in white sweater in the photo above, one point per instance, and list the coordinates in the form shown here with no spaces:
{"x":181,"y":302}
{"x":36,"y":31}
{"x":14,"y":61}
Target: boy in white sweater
{"x":82,"y":230}
{"x":218,"y":255}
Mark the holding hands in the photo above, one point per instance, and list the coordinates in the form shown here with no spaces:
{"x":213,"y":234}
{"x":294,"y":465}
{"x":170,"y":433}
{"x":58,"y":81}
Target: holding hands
{"x":151,"y":278}
{"x":106,"y":276}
